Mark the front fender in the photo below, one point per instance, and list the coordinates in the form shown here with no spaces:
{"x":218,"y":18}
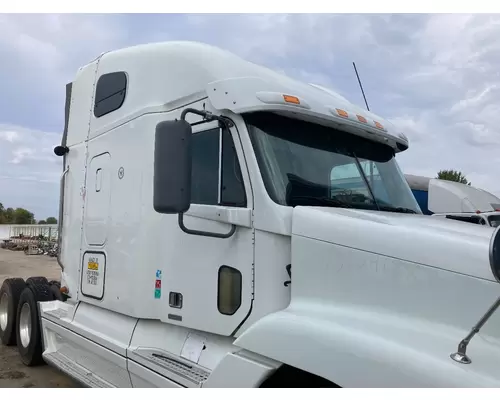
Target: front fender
{"x":337,"y":348}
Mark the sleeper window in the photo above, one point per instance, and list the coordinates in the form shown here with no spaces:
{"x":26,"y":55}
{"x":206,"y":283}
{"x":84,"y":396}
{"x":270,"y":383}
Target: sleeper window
{"x":110,"y":93}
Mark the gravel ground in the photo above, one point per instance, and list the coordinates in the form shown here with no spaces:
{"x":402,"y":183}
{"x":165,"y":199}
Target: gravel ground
{"x":13,"y":373}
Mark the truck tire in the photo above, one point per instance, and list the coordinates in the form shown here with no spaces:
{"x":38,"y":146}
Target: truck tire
{"x":10,"y":292}
{"x":28,"y":329}
{"x":37,"y":280}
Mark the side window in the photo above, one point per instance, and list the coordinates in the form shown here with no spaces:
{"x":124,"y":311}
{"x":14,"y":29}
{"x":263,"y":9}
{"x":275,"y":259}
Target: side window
{"x":216,"y":178}
{"x":110,"y":93}
{"x":205,"y":170}
{"x":232,"y":187}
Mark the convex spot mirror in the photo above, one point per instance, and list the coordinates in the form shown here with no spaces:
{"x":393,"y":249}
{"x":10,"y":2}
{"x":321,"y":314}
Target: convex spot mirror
{"x":172,"y":167}
{"x":495,"y":253}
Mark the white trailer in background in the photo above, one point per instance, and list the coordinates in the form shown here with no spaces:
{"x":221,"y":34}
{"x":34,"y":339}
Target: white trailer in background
{"x":453,"y":200}
{"x":208,"y":239}
{"x":9,"y":231}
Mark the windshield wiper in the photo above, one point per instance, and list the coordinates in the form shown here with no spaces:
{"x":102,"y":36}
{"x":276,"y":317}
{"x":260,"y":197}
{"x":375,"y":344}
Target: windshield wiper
{"x":363,"y":175}
{"x":325,"y":201}
{"x":397,"y":209}
{"x":319,"y":201}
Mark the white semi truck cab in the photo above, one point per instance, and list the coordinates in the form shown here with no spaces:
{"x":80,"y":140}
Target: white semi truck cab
{"x":223,"y":225}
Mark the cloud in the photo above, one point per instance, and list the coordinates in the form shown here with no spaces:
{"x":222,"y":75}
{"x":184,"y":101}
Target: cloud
{"x":29,"y":170}
{"x":40,"y":54}
{"x":435,"y":76}
{"x":9,"y":136}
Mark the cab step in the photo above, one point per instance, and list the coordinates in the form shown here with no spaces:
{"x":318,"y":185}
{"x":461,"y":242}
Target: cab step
{"x":75,"y":371}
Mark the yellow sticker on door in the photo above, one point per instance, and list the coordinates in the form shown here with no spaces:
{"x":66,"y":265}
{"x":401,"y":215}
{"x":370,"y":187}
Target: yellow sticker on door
{"x":92,"y":271}
{"x":93,"y":265}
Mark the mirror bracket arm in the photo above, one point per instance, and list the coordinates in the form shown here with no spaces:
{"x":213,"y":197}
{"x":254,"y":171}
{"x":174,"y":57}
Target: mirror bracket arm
{"x":207,"y":116}
{"x":460,"y":355}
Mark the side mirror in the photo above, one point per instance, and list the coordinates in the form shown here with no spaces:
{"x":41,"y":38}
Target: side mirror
{"x":61,"y":150}
{"x":172,"y":167}
{"x":495,"y":253}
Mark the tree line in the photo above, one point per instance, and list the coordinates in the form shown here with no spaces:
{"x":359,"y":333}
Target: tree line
{"x":21,"y":216}
{"x":452,"y":175}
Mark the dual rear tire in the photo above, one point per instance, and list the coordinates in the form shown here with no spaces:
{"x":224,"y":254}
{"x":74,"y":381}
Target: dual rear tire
{"x":19,"y":315}
{"x":10,"y":293}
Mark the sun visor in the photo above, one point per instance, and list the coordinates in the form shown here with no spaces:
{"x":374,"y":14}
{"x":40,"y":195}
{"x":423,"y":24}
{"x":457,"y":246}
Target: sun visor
{"x":252,"y":94}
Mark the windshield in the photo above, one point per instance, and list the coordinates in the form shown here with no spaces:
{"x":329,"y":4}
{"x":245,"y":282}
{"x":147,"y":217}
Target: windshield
{"x":307,"y":164}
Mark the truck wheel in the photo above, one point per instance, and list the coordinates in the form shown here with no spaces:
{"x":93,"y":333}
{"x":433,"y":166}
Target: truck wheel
{"x":10,"y":292}
{"x":28,"y":334}
{"x":37,"y":280}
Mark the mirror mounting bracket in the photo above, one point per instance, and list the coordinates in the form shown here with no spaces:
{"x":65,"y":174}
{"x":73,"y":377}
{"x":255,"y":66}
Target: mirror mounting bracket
{"x":460,"y":355}
{"x":223,"y":121}
{"x":207,"y":117}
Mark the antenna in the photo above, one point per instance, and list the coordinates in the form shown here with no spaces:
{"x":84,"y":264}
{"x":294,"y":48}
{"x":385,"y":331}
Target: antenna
{"x":360,"y":85}
{"x":368,"y":108}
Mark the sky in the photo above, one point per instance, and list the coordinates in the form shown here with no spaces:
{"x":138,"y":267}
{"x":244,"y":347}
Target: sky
{"x":435,"y":76}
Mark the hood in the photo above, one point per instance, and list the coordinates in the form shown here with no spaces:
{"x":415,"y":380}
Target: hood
{"x":440,"y":243}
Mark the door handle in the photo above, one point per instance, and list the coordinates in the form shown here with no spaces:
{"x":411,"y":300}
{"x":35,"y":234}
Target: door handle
{"x":98,"y":180}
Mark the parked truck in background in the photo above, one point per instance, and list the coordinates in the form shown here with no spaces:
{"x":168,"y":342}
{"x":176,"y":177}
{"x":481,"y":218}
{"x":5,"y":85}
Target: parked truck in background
{"x":223,"y":225}
{"x":454,"y":200}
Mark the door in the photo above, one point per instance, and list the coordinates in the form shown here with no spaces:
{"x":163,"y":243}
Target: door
{"x":209,"y":282}
{"x":97,"y":198}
